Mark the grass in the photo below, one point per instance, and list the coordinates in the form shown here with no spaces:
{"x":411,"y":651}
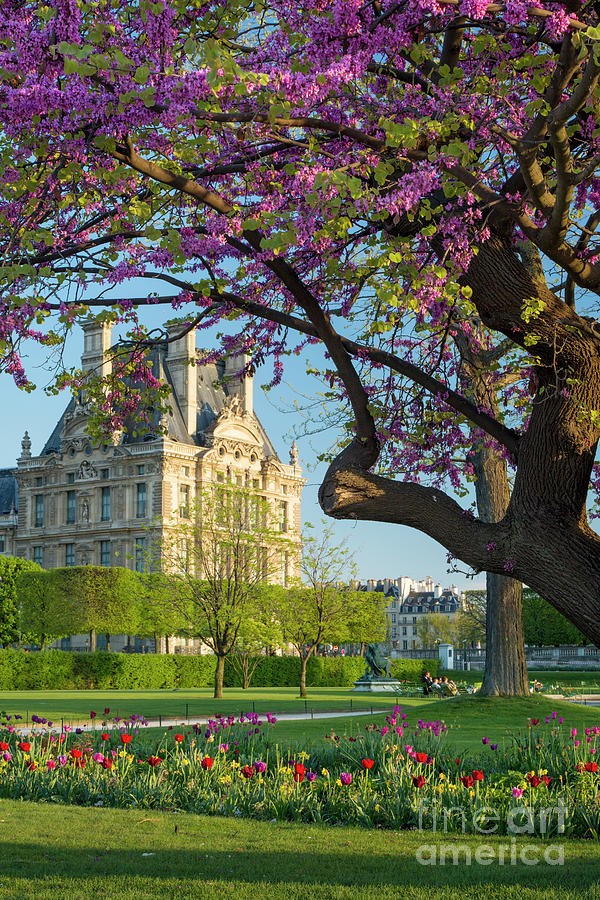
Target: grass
{"x":70,"y":852}
{"x":468,"y":718}
{"x":178,"y":704}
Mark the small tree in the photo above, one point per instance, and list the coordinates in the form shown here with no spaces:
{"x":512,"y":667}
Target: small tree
{"x":259,"y":633}
{"x":48,"y":612}
{"x":321,"y":608}
{"x":10,"y":569}
{"x":159,"y":617}
{"x":218,"y":554}
{"x":102,"y":598}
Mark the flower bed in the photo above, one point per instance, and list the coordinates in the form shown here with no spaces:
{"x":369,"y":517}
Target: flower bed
{"x":397,"y":775}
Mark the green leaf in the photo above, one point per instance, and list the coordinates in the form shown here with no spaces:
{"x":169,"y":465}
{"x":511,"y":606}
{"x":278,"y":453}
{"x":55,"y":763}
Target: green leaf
{"x":141,"y":74}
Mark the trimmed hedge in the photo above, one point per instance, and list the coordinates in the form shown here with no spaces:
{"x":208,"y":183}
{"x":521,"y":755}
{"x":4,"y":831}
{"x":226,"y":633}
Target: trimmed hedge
{"x":330,"y":671}
{"x":60,"y":670}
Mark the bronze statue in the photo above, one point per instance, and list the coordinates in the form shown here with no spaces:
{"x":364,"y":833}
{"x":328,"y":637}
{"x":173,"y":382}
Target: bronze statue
{"x":378,"y":666}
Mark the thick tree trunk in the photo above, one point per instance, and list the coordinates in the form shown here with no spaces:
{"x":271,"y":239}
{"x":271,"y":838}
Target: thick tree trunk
{"x":156,"y":642}
{"x":92,"y":640}
{"x":108,"y":643}
{"x":219,"y":671}
{"x":505,"y":664}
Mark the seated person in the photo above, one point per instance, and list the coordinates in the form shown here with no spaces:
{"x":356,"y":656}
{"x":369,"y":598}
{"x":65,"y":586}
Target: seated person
{"x":436,"y":687}
{"x":426,"y":681}
{"x":448,"y":687}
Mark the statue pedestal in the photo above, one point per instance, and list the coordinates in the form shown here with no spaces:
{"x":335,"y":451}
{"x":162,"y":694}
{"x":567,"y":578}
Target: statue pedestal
{"x":376,"y":685}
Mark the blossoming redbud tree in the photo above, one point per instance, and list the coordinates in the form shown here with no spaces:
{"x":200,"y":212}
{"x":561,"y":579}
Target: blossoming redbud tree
{"x":409,"y":184}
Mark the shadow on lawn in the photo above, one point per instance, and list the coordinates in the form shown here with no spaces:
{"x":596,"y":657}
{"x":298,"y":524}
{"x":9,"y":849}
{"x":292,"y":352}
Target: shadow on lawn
{"x":349,"y":868}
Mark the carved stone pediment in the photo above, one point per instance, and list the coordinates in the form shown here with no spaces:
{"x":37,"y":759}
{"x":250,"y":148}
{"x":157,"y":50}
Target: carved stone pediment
{"x":86,"y":470}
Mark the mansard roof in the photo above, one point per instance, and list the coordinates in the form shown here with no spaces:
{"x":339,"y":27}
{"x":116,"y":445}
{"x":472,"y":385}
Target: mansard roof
{"x":213,"y":396}
{"x":8,"y":491}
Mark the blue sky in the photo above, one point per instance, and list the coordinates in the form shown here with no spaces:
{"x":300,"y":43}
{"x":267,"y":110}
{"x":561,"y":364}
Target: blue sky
{"x":380,"y":550}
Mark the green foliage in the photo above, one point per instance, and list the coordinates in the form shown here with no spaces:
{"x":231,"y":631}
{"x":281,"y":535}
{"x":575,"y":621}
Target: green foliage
{"x":412,"y":669}
{"x":10,"y":568}
{"x":60,"y":670}
{"x":79,"y":598}
{"x":545,"y":626}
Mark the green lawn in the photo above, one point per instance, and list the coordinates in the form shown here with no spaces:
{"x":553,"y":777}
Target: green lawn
{"x":468,"y":718}
{"x":76,"y":705}
{"x":49,"y":852}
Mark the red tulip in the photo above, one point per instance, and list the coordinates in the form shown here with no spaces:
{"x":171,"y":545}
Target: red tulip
{"x":247,"y":771}
{"x":299,"y":772}
{"x":154,"y":760}
{"x":534,"y":780}
{"x":207,"y":762}
{"x":76,"y":753}
{"x":421,"y":757}
{"x":3,"y":745}
{"x":467,"y":780}
{"x":125,"y":738}
{"x":24,"y":746}
{"x":105,"y":736}
{"x":92,"y":715}
{"x":31,"y":765}
{"x":106,"y":763}
{"x":477,"y":775}
{"x":106,"y":711}
{"x":418,"y":781}
{"x":367,"y":763}
{"x":591,"y":767}
{"x":179,"y":738}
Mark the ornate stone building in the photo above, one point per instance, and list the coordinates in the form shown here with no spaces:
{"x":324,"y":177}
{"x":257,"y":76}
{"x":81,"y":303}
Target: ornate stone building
{"x":77,"y":502}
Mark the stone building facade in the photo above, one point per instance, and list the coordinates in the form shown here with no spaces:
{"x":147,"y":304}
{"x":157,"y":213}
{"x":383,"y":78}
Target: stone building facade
{"x":409,"y":602}
{"x":79,"y":503}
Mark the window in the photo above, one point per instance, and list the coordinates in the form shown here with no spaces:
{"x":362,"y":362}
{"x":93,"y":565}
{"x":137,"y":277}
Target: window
{"x":404,"y":620}
{"x":404,"y":631}
{"x":255,"y":484}
{"x":405,"y":645}
{"x":393,"y":617}
{"x":70,"y":477}
{"x":284,"y":488}
{"x":69,"y":554}
{"x":185,"y":471}
{"x":140,"y":554}
{"x":442,"y":609}
{"x":39,"y":510}
{"x":220,"y":477}
{"x":283,"y":515}
{"x":71,"y":505}
{"x":105,"y":474}
{"x":184,"y":501}
{"x":414,"y":620}
{"x":39,"y":481}
{"x":105,"y":513}
{"x":38,"y":555}
{"x":105,"y":553}
{"x":140,"y":501}
{"x":141,"y":470}
{"x":414,"y":629}
{"x":1,"y":543}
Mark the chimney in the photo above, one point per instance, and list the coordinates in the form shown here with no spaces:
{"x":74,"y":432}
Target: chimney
{"x":96,"y":342}
{"x":244,"y":388}
{"x":437,"y":591}
{"x":181,"y":360}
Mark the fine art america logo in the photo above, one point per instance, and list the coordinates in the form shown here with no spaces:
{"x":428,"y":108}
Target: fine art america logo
{"x":519,"y":821}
